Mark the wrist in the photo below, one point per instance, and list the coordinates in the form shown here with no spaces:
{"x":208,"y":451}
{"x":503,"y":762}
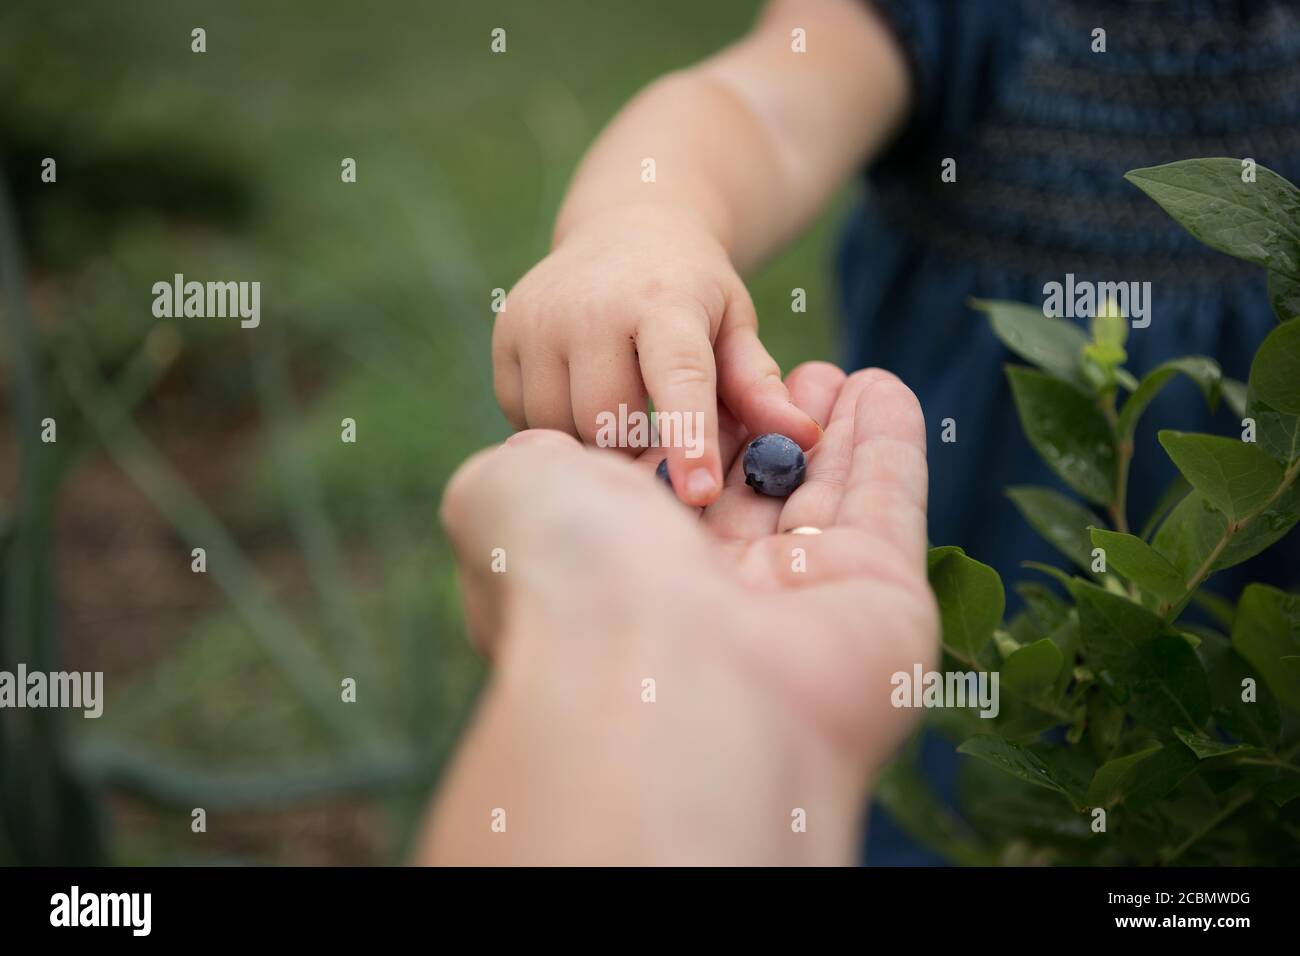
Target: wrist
{"x":661,"y":750}
{"x":667,"y":215}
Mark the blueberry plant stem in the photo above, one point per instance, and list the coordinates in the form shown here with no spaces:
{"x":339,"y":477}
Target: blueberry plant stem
{"x":1123,"y":457}
{"x":1233,"y":805}
{"x":1119,"y":508}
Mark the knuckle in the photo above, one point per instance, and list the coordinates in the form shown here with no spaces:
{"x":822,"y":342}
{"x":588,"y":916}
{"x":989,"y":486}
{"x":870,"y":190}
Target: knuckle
{"x":888,"y":383}
{"x":686,"y":371}
{"x":653,"y":288}
{"x":819,"y":367}
{"x":767,"y":378}
{"x":671,"y":293}
{"x":865,"y":377}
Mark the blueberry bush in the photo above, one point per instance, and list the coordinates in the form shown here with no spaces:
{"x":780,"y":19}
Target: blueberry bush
{"x":1130,"y":733}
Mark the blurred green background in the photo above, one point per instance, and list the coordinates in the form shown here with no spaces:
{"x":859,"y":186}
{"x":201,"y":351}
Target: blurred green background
{"x":324,"y":559}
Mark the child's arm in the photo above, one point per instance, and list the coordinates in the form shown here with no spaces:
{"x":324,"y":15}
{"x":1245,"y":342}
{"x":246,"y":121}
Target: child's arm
{"x":640,"y":291}
{"x":755,"y":139}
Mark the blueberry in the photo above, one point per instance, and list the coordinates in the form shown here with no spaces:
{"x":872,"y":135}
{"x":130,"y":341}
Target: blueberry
{"x":774,"y":465}
{"x":662,"y":473}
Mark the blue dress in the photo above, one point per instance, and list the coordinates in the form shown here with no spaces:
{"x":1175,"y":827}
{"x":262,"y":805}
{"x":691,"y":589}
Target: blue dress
{"x":1042,"y":130}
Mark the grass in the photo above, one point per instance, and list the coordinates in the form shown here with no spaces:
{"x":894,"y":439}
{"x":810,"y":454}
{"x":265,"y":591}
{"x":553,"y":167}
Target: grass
{"x":375,"y":307}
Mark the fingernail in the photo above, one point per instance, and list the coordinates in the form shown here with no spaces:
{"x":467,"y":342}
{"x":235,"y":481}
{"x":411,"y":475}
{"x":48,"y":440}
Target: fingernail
{"x":821,"y":432}
{"x":700,"y":484}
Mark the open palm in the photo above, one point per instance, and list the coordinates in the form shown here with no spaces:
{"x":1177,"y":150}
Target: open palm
{"x":849,"y":607}
{"x":599,"y":551}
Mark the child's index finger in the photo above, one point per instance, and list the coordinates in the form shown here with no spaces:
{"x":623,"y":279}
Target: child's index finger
{"x":676,"y":360}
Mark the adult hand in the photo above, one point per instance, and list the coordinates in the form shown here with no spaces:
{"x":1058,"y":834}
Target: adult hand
{"x":677,"y":687}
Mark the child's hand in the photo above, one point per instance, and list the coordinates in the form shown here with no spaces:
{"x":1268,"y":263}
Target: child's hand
{"x":641,"y":300}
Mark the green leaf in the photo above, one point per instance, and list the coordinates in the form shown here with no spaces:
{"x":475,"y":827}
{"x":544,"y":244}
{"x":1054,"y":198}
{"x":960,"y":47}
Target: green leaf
{"x":1140,"y":563}
{"x":1031,"y":671}
{"x":1174,"y":493}
{"x":935,"y":555}
{"x":1267,"y":631}
{"x":1018,"y":815}
{"x":1275,"y":371}
{"x":1062,"y":521}
{"x":1271,"y":397}
{"x":1066,"y":639}
{"x":1205,"y":372}
{"x":1047,"y":611}
{"x":1152,"y":671}
{"x":908,"y":798}
{"x":971,"y":602}
{"x":1234,"y":395}
{"x":1021,"y":720}
{"x":1277,"y":433}
{"x":1284,"y":295}
{"x":1195,"y":527}
{"x":1068,"y":431}
{"x":1110,"y":783}
{"x":1006,"y":643}
{"x":1017,"y":761}
{"x":1054,"y":345}
{"x":1111,"y":629}
{"x":1072,"y":767}
{"x":1171,"y":688}
{"x":1256,"y":720}
{"x":1056,"y":574}
{"x":1021,"y":629}
{"x":1234,"y":476}
{"x":1151,"y":780}
{"x":1206,"y":747}
{"x":1283,"y":791}
{"x":1252,"y":221}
